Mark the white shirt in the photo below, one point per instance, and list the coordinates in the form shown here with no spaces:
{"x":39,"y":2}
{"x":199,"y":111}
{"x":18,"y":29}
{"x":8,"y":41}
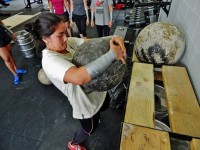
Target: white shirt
{"x":55,"y":65}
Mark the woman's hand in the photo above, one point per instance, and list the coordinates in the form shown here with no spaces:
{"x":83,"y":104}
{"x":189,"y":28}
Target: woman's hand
{"x":92,"y":23}
{"x":118,"y":47}
{"x":87,"y":22}
{"x":110,"y":24}
{"x":119,"y":41}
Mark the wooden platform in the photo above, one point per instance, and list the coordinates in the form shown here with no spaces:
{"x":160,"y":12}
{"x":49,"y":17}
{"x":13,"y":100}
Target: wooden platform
{"x":134,"y":137}
{"x":140,"y":102}
{"x":17,"y":19}
{"x":195,"y":144}
{"x":182,"y":104}
{"x":140,"y":138}
{"x":183,"y":107}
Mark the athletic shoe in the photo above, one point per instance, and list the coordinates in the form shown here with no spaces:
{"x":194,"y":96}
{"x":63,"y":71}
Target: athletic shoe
{"x":22,"y":71}
{"x":75,"y":147}
{"x":16,"y":80}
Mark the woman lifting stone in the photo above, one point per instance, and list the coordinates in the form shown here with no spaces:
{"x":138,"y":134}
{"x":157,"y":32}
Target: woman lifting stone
{"x":56,"y":62}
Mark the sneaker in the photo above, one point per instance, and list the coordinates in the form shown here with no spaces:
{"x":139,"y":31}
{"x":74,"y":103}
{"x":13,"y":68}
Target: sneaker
{"x":16,"y":80}
{"x":22,"y":71}
{"x":75,"y":147}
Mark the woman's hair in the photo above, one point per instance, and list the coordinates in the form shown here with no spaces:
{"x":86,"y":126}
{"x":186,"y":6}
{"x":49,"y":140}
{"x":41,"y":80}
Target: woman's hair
{"x":44,"y":25}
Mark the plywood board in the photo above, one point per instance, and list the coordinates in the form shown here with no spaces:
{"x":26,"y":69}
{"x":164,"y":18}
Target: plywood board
{"x":195,"y":144}
{"x":140,"y":101}
{"x":140,"y":138}
{"x":183,"y":107}
{"x":17,"y":19}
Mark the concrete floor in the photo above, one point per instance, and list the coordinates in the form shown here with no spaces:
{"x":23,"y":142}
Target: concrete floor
{"x":34,"y":116}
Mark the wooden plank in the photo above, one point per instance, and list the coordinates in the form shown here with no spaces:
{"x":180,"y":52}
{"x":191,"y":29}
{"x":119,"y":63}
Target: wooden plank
{"x":140,"y":101}
{"x":183,"y":108}
{"x":195,"y":144}
{"x":141,"y":138}
{"x":17,"y":19}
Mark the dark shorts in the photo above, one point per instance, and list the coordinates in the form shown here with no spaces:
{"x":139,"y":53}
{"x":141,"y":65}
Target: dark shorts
{"x":65,"y":16}
{"x":5,"y":39}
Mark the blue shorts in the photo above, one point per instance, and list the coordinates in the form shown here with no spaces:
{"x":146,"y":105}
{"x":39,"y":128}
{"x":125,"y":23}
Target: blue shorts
{"x":5,"y":39}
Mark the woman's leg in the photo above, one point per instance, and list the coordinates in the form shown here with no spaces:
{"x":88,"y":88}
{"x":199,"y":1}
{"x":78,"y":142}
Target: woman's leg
{"x":6,"y":55}
{"x":69,"y":30}
{"x":67,"y":23}
{"x":8,"y":47}
{"x":17,"y":70}
{"x":5,"y":50}
{"x":106,"y":30}
{"x":78,"y":24}
{"x":89,"y":125}
{"x":83,"y":19}
{"x":99,"y":30}
{"x":8,"y":59}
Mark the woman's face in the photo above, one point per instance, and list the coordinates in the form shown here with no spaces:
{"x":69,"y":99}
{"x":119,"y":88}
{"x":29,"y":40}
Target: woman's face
{"x":57,"y":41}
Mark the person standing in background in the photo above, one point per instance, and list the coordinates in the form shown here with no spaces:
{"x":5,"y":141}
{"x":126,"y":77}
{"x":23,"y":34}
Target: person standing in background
{"x":103,"y":12}
{"x":79,"y":14}
{"x":5,"y":52}
{"x":61,"y":7}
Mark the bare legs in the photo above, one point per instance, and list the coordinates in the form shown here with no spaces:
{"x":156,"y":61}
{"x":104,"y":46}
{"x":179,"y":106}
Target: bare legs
{"x":5,"y":53}
{"x":69,"y":30}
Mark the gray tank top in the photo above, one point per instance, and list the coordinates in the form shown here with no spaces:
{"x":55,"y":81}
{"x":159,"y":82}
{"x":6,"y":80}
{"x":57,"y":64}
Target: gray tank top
{"x":78,"y":7}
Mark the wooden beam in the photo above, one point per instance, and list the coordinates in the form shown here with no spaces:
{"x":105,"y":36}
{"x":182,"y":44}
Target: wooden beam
{"x":17,"y":19}
{"x":195,"y":144}
{"x":140,"y":101}
{"x":140,"y":138}
{"x":183,"y":107}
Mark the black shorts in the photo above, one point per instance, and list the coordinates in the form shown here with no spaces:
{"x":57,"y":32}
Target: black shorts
{"x":5,"y":39}
{"x":65,"y":16}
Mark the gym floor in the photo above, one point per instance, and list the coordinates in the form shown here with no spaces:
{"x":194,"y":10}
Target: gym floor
{"x":36,"y":116}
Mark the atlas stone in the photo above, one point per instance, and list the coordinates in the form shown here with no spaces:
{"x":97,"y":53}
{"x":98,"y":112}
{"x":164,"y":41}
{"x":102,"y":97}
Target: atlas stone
{"x":92,"y":50}
{"x":42,"y":77}
{"x":160,"y":43}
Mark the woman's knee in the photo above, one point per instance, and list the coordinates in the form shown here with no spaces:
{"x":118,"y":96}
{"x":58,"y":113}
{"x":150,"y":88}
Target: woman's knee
{"x":90,"y":125}
{"x":7,"y":59}
{"x":5,"y":55}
